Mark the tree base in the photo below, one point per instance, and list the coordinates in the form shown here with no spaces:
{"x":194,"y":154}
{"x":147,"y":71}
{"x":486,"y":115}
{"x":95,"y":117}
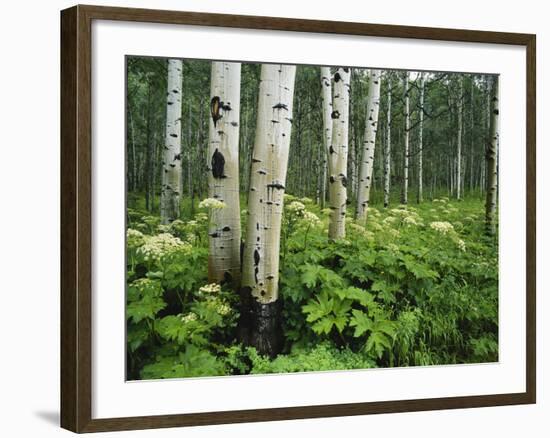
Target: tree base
{"x":260,"y":327}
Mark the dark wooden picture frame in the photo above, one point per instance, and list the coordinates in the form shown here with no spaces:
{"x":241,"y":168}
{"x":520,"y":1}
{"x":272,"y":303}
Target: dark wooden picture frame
{"x":76,"y":218}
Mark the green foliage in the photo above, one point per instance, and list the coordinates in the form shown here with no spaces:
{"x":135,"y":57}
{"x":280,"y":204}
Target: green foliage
{"x":191,"y":362}
{"x":416,"y":286}
{"x":322,"y":357}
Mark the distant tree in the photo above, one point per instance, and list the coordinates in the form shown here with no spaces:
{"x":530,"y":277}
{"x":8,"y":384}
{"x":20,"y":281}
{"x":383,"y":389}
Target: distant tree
{"x":171,"y":162}
{"x":369,"y":144}
{"x":338,"y":154}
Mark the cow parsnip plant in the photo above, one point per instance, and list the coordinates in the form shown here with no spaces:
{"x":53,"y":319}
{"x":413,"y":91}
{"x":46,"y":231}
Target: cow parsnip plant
{"x":415,"y":286}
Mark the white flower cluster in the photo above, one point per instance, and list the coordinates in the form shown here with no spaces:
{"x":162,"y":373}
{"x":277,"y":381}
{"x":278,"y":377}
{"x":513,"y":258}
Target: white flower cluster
{"x":163,"y":228}
{"x":211,"y":203}
{"x":461,"y":245}
{"x":190,"y":317}
{"x":394,"y":233}
{"x":211,"y":288}
{"x":311,"y":218}
{"x":296,"y":207}
{"x":389,"y":220}
{"x":134,"y":238}
{"x":157,"y":246}
{"x":409,"y":220}
{"x":442,"y":227}
{"x":223,"y":309}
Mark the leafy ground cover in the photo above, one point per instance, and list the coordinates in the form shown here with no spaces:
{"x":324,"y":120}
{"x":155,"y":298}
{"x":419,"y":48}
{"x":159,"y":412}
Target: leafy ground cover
{"x":417,"y":286}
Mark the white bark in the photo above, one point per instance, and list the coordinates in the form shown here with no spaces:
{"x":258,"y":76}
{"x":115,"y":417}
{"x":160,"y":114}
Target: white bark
{"x":326,"y":100}
{"x":459,"y":143}
{"x":491,"y":159}
{"x":223,"y":176}
{"x":367,"y":157}
{"x":405,"y":188}
{"x":338,"y":154}
{"x":260,"y":272}
{"x":420,"y":194}
{"x":171,"y":162}
{"x":387,"y":151}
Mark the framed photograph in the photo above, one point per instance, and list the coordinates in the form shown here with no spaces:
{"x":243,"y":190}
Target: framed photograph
{"x":269,"y":219}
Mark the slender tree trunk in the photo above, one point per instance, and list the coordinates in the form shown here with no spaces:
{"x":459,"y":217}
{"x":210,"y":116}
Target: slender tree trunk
{"x":190,"y":160}
{"x":224,"y":257}
{"x":387,"y":152}
{"x":338,"y":154}
{"x":405,"y":188}
{"x":491,"y":159}
{"x":459,"y":142}
{"x":260,"y":270}
{"x":171,"y":162}
{"x":326,"y":99}
{"x":148,"y":153}
{"x":472,"y":130}
{"x":199,"y":150}
{"x":419,"y":193}
{"x":133,"y":167}
{"x":367,"y":157}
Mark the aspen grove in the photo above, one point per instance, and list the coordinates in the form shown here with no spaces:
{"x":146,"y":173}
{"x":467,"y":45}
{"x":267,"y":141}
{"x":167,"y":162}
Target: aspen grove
{"x":285,"y":218}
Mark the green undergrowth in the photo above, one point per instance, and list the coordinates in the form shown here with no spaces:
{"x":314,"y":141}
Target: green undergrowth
{"x":417,"y":285}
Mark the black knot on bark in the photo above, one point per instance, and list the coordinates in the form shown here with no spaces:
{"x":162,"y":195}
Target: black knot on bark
{"x":216,"y":109}
{"x":280,"y":106}
{"x":337,"y":77}
{"x":218,"y":163}
{"x":335,"y":114}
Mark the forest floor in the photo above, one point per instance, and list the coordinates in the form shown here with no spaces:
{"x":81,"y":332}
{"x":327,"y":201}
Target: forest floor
{"x":418,"y":285}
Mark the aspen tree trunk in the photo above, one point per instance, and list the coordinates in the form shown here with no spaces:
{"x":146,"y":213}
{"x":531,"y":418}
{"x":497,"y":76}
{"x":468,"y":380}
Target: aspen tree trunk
{"x":190,"y":156}
{"x":459,"y":143}
{"x":338,"y":154}
{"x":405,"y":188}
{"x":367,"y":156}
{"x":148,"y":153}
{"x":326,"y":100}
{"x":171,"y":161}
{"x":420,"y":194}
{"x":224,"y":234}
{"x":491,"y":159}
{"x":260,"y":270}
{"x":472,"y":129}
{"x":133,"y":172}
{"x":387,"y":152}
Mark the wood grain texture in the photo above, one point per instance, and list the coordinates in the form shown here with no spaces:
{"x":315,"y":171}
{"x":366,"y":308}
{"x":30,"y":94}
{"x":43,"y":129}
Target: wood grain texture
{"x":76,"y":224}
